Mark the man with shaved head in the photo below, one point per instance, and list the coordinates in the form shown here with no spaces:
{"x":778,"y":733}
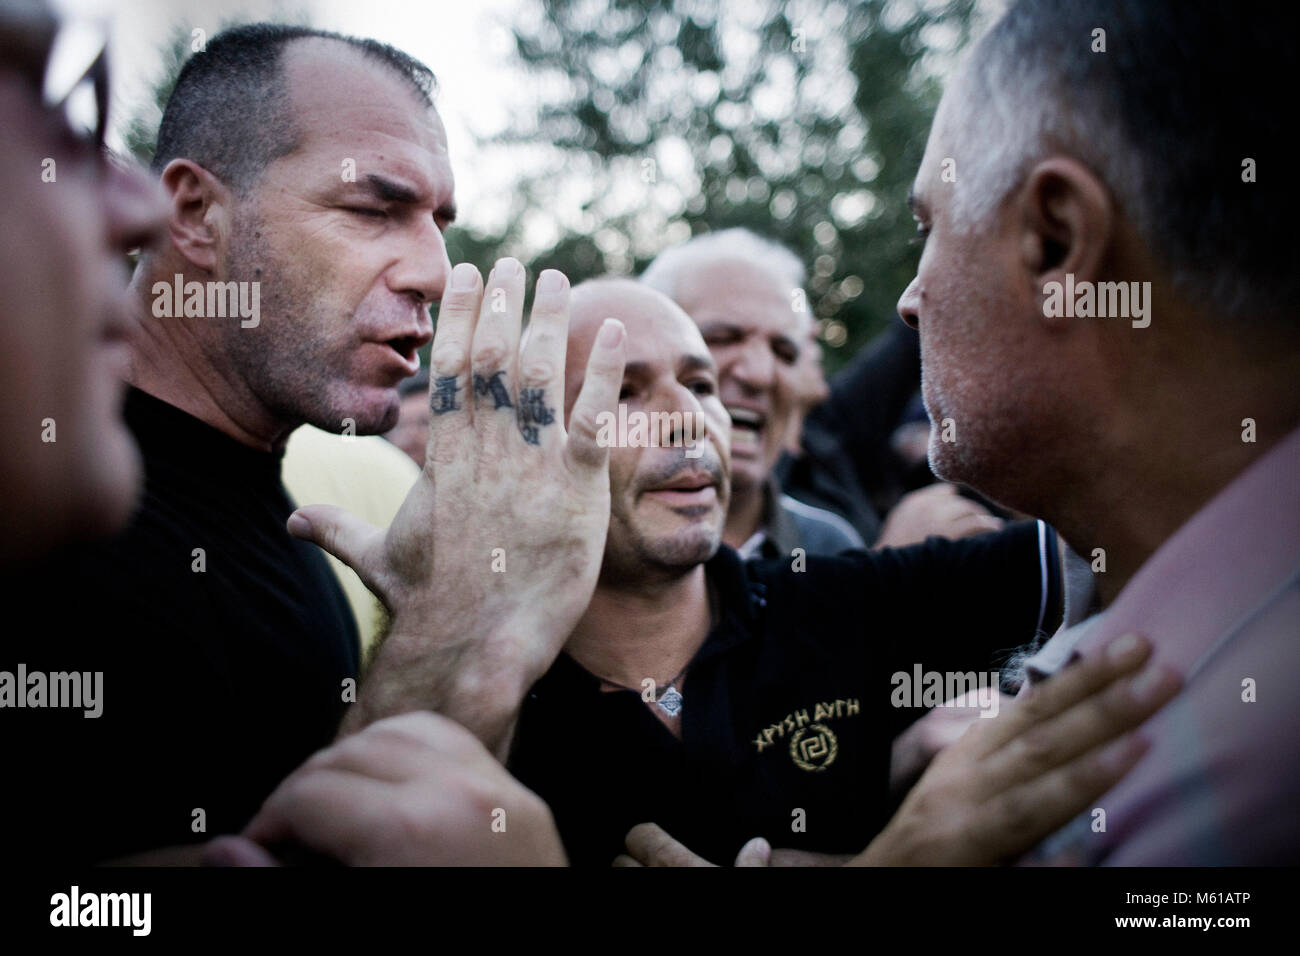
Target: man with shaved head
{"x":665,"y":509}
{"x":717,"y":698}
{"x":745,"y":294}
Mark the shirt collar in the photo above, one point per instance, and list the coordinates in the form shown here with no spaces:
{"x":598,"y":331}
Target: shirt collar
{"x":1061,"y":650}
{"x":167,"y":434}
{"x":778,"y":523}
{"x":1210,"y":573}
{"x":752,"y":547}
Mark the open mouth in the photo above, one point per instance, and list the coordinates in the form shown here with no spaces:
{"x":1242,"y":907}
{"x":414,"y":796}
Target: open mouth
{"x":746,"y":429}
{"x":407,"y":348}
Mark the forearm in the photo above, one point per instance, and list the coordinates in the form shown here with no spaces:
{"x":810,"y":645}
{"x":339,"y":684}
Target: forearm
{"x":406,"y":675}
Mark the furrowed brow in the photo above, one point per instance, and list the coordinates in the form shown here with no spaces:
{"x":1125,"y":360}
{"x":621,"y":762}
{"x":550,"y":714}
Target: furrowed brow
{"x":390,"y":191}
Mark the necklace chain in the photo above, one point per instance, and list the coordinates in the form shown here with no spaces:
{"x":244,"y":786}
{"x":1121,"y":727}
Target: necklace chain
{"x":669,"y":700}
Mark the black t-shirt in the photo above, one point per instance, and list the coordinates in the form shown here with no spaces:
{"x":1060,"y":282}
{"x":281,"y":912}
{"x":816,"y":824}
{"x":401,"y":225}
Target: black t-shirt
{"x":216,"y":683}
{"x":787,"y":721}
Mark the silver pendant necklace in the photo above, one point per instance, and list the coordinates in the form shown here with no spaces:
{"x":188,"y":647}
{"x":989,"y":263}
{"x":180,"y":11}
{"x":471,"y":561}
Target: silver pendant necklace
{"x":667,"y":698}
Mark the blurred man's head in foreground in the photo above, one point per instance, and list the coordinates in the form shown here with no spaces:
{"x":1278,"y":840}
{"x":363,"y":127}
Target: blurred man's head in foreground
{"x":68,"y":466}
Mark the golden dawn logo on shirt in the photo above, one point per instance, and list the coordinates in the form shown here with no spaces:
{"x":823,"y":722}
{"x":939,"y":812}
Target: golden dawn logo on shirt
{"x":813,"y":745}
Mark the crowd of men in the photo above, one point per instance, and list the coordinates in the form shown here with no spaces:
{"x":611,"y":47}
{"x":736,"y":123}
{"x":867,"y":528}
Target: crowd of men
{"x":690,"y":650}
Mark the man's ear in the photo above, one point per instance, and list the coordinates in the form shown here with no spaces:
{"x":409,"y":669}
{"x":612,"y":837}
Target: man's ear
{"x":1067,"y":223}
{"x":198,"y":212}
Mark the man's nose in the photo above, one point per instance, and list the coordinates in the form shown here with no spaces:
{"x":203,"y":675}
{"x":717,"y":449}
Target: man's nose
{"x":909,"y":304}
{"x":689,"y":427}
{"x":754,"y":366}
{"x":135,"y":205}
{"x":423,"y":269}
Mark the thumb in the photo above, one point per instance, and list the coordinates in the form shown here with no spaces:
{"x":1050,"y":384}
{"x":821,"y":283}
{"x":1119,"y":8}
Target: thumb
{"x":599,"y":394}
{"x":757,"y":852}
{"x":343,"y":535}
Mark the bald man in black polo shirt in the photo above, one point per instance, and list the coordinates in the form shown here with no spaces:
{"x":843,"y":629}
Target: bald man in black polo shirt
{"x":724,"y":700}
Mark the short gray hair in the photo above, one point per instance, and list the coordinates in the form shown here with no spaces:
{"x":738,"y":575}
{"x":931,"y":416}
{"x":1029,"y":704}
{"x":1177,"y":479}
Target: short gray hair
{"x":666,"y":270}
{"x":230,"y":110}
{"x":1165,"y":117}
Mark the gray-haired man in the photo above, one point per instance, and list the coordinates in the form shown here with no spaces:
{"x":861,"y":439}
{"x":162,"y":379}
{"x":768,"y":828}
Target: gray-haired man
{"x":1106,"y":304}
{"x":746,"y":294}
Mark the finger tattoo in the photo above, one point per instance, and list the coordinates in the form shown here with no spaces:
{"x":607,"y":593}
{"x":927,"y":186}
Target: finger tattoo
{"x":492,"y":386}
{"x":533,"y":413}
{"x":443,"y":397}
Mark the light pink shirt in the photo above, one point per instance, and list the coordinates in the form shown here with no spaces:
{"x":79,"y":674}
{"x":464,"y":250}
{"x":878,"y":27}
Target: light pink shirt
{"x":1220,"y":600}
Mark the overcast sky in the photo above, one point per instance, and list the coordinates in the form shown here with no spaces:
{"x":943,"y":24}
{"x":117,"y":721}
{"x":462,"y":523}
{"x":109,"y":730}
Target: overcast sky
{"x":466,"y":42}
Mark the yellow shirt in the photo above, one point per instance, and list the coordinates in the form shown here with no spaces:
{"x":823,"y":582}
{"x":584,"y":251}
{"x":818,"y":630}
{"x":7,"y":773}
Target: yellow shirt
{"x":366,"y":475}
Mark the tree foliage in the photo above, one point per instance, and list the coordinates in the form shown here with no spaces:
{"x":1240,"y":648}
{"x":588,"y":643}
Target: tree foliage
{"x":804,"y":121}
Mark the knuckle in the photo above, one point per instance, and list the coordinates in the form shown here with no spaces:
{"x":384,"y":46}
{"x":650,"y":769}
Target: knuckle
{"x":537,"y":372}
{"x":317,"y":761}
{"x":1117,"y":704}
{"x":1034,"y":752}
{"x":448,"y":359}
{"x":482,"y":796}
{"x":330,"y":536}
{"x":583,"y":422}
{"x":416,"y":822}
{"x":298,"y":791}
{"x":357,"y":746}
{"x":489,"y":355}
